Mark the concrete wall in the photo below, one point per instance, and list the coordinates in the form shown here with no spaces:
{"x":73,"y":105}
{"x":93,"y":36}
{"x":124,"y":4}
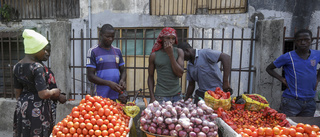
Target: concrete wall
{"x":269,"y":41}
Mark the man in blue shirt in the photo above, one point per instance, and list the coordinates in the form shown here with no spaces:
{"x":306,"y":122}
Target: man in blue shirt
{"x":301,"y":78}
{"x":203,"y":68}
{"x":107,"y":62}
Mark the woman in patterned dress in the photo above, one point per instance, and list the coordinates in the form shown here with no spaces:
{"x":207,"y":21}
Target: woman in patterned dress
{"x":33,"y":117}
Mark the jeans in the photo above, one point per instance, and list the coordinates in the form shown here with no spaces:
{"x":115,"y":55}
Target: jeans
{"x":173,"y":99}
{"x":293,"y":107}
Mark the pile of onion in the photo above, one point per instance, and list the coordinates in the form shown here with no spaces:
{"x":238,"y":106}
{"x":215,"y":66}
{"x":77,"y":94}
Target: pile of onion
{"x":182,"y":118}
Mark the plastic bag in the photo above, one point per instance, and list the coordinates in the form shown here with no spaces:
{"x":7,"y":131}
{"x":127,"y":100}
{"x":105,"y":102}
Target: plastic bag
{"x":216,"y":103}
{"x":130,"y":109}
{"x":254,"y":105}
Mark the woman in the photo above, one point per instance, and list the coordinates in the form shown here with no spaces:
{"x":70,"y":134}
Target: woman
{"x":33,"y":116}
{"x":52,"y":84}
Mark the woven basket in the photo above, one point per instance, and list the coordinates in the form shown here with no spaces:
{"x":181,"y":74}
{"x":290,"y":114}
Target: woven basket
{"x":153,"y":135}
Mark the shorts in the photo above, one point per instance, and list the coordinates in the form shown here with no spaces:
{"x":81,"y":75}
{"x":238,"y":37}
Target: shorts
{"x":293,"y":107}
{"x":173,"y":99}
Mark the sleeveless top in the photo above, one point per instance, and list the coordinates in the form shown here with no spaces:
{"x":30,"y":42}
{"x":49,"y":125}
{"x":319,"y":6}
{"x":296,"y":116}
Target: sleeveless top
{"x":167,"y":81}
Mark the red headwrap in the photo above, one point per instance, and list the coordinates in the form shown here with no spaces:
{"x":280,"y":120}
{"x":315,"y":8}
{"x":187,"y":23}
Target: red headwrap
{"x":167,"y":31}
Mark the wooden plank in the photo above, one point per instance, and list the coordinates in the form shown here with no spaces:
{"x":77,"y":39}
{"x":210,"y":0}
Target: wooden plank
{"x":153,"y":7}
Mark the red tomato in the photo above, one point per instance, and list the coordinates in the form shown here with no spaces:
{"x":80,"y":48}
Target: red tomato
{"x":268,"y":131}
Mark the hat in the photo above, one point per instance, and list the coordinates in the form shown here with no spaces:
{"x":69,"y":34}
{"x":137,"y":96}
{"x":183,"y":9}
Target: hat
{"x":33,"y":41}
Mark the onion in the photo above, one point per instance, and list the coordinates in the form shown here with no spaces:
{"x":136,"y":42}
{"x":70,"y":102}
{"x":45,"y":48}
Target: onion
{"x":197,"y":130}
{"x":178,"y":127}
{"x":209,"y":110}
{"x":178,"y":109}
{"x":205,"y":122}
{"x":198,"y":121}
{"x":211,"y":124}
{"x":165,"y":132}
{"x":167,"y":114}
{"x":183,"y":115}
{"x":171,"y":126}
{"x":173,"y":133}
{"x":185,"y":111}
{"x":194,"y":113}
{"x":174,"y":112}
{"x":185,"y":122}
{"x":192,"y":119}
{"x":182,"y":133}
{"x":211,"y":129}
{"x":145,"y":127}
{"x":154,"y":120}
{"x":201,"y":102}
{"x":189,"y":129}
{"x":154,"y":125}
{"x":158,"y":113}
{"x":168,"y":121}
{"x":192,"y":134}
{"x":213,"y":116}
{"x":201,"y":134}
{"x":142,"y":113}
{"x":162,"y":125}
{"x":151,"y":129}
{"x":174,"y":120}
{"x":156,"y":103}
{"x":148,"y":121}
{"x":159,"y":131}
{"x":199,"y":111}
{"x":160,"y":120}
{"x":212,"y":134}
{"x":205,"y":129}
{"x":168,"y":103}
{"x":169,"y":107}
{"x":143,"y":120}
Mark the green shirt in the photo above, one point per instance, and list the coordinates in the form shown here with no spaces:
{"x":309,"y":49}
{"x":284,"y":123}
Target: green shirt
{"x":167,"y":81}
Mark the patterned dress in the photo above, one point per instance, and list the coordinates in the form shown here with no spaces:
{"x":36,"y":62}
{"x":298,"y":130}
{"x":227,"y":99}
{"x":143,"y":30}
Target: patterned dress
{"x":32,"y":116}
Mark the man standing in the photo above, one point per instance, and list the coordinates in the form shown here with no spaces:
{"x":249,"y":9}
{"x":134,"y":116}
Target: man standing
{"x":107,"y":62}
{"x":203,"y":68}
{"x":301,"y":78}
{"x":168,"y":61}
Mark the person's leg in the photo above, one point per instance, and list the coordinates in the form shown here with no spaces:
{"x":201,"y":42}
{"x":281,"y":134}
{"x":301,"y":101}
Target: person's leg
{"x":309,"y":108}
{"x":290,"y":107}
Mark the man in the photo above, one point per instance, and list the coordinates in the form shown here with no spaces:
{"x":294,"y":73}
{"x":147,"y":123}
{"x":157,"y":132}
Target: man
{"x":168,"y":61}
{"x":107,"y":62}
{"x":203,"y":68}
{"x":301,"y":78}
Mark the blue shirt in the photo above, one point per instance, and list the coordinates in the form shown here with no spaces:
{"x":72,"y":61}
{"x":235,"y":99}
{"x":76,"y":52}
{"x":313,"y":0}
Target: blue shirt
{"x":305,"y":73}
{"x":107,"y":63}
{"x":205,"y":70}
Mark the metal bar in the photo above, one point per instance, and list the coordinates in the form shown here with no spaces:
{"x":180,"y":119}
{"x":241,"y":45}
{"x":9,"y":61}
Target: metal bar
{"x":2,"y":65}
{"x":192,"y":36}
{"x":212,"y":30}
{"x":202,"y":36}
{"x":231,"y":54}
{"x":144,"y":59}
{"x":250,"y":60}
{"x":73,"y":62}
{"x":10,"y":65}
{"x":135,"y":60}
{"x":40,"y":15}
{"x":240,"y":64}
{"x":317,"y":40}
{"x":216,"y":7}
{"x":82,"y":62}
{"x":284,"y":40}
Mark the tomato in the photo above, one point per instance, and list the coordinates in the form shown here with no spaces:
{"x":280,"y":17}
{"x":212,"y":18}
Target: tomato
{"x":76,"y":125}
{"x":79,"y":131}
{"x":89,"y":126}
{"x":110,"y":130}
{"x":97,"y":132}
{"x":103,"y":127}
{"x":300,"y":125}
{"x":91,"y":132}
{"x":65,"y":130}
{"x":254,"y":134}
{"x":70,"y":124}
{"x":85,"y":131}
{"x":261,"y":131}
{"x":72,"y":130}
{"x":118,"y":134}
{"x":75,"y":135}
{"x":101,"y":112}
{"x":315,"y":128}
{"x":93,"y":121}
{"x":276,"y":131}
{"x":285,"y":131}
{"x":110,"y":125}
{"x":106,"y":122}
{"x":96,"y":127}
{"x":268,"y":131}
{"x":300,"y":129}
{"x":82,"y":125}
{"x":307,"y":128}
{"x":104,"y":133}
{"x":292,"y":132}
{"x":298,"y":134}
{"x":87,"y":116}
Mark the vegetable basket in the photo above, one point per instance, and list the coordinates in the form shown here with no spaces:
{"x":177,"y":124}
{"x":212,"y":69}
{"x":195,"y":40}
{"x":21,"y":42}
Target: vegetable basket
{"x":153,"y":135}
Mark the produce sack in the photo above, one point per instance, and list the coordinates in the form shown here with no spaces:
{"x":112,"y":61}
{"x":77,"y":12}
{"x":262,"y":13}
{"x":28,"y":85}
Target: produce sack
{"x":216,"y":103}
{"x":255,"y":102}
{"x":130,"y":109}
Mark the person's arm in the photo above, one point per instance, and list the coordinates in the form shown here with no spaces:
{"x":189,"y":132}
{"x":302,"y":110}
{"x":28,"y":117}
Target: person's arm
{"x":190,"y":89}
{"x":271,"y":72}
{"x":318,"y":79}
{"x":177,"y":65}
{"x":99,"y":81}
{"x":226,"y":63}
{"x":151,"y":69}
{"x":46,"y":93}
{"x":18,"y":92}
{"x":123,"y":76}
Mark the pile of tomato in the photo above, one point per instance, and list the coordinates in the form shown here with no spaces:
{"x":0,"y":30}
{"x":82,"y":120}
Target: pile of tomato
{"x":219,"y":94}
{"x":94,"y":116}
{"x":299,"y":130}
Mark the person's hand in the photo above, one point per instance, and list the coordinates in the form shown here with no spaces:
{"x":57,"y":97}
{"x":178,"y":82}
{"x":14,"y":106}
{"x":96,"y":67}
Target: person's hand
{"x":116,"y":87}
{"x":168,"y":48}
{"x":123,"y":98}
{"x":284,"y":81}
{"x":62,"y":98}
{"x":56,"y":94}
{"x":122,"y":83}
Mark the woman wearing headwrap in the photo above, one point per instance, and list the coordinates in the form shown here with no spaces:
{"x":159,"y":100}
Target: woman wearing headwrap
{"x":32,"y":115}
{"x":168,"y":61}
